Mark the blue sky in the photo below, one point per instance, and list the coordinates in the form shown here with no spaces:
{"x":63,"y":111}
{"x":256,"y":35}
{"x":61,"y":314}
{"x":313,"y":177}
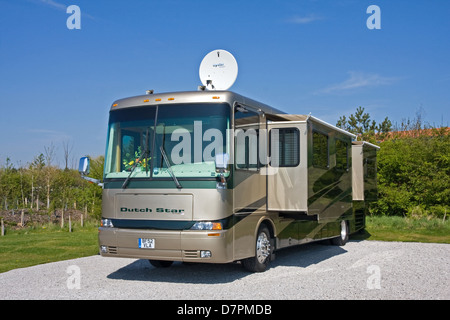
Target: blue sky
{"x":57,"y":84}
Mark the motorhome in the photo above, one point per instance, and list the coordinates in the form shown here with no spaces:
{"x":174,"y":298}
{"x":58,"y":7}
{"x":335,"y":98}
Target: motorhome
{"x":212,"y":176}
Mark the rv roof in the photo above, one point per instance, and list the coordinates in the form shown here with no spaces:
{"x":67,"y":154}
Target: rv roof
{"x":366,"y":143}
{"x":192,"y":97}
{"x":291,"y":117}
{"x":304,"y":118}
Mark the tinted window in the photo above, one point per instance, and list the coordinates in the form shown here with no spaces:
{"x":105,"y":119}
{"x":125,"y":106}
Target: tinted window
{"x":341,"y":155}
{"x":286,"y":142}
{"x":320,"y":150}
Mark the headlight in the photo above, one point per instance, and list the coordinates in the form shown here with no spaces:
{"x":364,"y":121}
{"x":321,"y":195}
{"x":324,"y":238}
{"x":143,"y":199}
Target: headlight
{"x":207,"y":225}
{"x":107,"y":223}
{"x":205,"y":254}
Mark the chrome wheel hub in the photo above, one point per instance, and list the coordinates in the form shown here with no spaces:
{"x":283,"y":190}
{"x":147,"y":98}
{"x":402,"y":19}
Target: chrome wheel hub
{"x":262,"y":247}
{"x":343,"y":230}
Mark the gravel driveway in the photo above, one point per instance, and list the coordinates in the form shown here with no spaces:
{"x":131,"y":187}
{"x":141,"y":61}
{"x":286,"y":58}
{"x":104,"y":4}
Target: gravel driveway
{"x":359,"y":270}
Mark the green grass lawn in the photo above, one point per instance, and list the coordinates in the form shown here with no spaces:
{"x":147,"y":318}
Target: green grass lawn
{"x":28,"y":247}
{"x":37,"y":245}
{"x":405,"y":229}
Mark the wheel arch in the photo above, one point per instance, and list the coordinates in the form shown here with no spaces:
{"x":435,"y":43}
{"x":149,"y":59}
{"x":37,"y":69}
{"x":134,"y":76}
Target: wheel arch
{"x":270,"y":226}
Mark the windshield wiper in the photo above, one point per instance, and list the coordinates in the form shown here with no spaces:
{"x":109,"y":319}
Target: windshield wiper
{"x":125,"y":183}
{"x":146,"y":154}
{"x":169,"y":167}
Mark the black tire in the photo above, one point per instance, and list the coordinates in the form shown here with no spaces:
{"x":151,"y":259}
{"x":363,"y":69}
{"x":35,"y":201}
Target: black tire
{"x":160,"y":263}
{"x":342,"y":239}
{"x":263,"y":251}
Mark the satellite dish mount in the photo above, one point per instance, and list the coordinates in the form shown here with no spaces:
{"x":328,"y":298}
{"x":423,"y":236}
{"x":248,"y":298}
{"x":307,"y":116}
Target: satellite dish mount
{"x":209,"y":85}
{"x":218,"y":70}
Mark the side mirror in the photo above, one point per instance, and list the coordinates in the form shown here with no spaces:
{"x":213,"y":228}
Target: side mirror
{"x":222,"y":161}
{"x":84,"y":166}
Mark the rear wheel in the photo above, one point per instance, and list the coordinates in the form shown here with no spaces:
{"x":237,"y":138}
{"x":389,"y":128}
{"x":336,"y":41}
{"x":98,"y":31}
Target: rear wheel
{"x":263,"y":250}
{"x":160,"y":263}
{"x":343,"y":236}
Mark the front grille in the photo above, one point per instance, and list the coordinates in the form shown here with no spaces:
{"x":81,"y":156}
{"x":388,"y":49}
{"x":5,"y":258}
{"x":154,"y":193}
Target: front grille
{"x":112,"y":250}
{"x":191,"y":253}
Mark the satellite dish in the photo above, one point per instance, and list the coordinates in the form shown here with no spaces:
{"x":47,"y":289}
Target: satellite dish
{"x":218,"y":70}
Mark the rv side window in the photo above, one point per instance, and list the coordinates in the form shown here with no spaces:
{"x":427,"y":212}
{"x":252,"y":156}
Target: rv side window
{"x":246,"y":139}
{"x":286,"y":140}
{"x":320,"y":150}
{"x":341,"y":155}
{"x":370,"y":168}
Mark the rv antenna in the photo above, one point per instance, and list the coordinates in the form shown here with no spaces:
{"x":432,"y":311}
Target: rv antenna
{"x":218,"y":70}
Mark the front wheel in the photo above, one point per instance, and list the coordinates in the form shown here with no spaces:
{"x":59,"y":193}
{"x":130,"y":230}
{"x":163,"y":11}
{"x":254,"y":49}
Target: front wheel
{"x":260,"y":261}
{"x":342,"y":239}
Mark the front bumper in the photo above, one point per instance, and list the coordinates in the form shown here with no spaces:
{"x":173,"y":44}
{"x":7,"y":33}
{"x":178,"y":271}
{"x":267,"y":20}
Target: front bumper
{"x":170,"y":245}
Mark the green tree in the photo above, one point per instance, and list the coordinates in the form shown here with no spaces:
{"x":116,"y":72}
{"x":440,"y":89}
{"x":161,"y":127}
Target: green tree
{"x":361,"y":125}
{"x":413,"y":164}
{"x":92,"y":196}
{"x":35,"y":173}
{"x":32,"y":184}
{"x":414,"y":175}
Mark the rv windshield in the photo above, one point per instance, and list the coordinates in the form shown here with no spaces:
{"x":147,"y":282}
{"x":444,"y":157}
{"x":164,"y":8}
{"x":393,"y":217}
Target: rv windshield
{"x":190,"y":135}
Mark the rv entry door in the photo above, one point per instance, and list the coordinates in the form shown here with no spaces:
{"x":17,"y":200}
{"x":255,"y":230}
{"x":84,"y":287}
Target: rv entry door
{"x":287,"y":183}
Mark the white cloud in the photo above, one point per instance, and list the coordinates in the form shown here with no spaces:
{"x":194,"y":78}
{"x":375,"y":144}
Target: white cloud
{"x":304,"y":19}
{"x":59,"y":6}
{"x":359,"y":80}
{"x":54,"y":4}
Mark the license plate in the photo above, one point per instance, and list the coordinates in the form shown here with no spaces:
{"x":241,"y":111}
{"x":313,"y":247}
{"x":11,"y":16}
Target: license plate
{"x":146,"y":243}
